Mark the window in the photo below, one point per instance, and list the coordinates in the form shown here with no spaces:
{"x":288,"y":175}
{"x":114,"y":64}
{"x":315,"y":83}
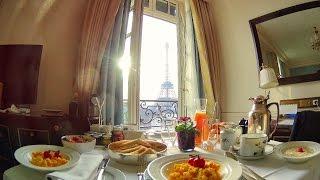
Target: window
{"x":161,"y":9}
{"x":125,"y":67}
{"x":146,"y":3}
{"x":162,"y":6}
{"x":158,"y":64}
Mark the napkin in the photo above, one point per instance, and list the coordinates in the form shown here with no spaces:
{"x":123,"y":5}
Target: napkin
{"x":84,"y":170}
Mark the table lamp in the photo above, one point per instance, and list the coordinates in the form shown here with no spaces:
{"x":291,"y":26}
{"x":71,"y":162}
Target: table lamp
{"x":268,"y":78}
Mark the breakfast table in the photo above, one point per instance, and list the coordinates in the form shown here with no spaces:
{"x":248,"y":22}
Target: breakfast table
{"x":270,"y":167}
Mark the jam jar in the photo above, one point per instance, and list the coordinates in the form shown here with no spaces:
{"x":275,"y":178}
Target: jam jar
{"x":117,"y":133}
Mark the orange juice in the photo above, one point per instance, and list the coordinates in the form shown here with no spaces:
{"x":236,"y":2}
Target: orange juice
{"x":202,"y":127}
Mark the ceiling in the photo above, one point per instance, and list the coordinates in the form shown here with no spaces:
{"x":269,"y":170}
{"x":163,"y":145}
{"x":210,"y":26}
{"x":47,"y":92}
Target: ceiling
{"x":291,"y":36}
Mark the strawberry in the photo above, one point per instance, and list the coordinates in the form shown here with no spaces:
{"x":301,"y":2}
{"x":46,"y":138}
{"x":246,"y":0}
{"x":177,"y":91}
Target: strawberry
{"x":199,"y":162}
{"x":76,"y":139}
{"x":300,"y":149}
{"x":57,"y":154}
{"x":46,"y":154}
{"x":191,"y":160}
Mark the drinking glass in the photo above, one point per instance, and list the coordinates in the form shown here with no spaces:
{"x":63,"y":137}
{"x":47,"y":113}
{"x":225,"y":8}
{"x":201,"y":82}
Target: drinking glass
{"x":212,"y":137}
{"x":168,"y":133}
{"x":201,"y":120}
{"x":215,"y":123}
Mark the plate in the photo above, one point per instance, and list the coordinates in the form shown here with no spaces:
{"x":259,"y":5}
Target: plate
{"x":23,"y":156}
{"x":230,"y":169}
{"x":268,"y":149}
{"x":146,"y":175}
{"x":315,"y":148}
{"x":112,"y":173}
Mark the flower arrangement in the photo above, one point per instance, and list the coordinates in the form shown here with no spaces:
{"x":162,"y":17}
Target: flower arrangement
{"x":186,"y":132}
{"x":185,"y":124}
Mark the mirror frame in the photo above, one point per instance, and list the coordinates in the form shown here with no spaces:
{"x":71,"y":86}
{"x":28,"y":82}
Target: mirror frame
{"x":273,"y":15}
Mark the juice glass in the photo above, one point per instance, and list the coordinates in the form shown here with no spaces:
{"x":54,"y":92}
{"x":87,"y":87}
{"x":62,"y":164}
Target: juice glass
{"x":201,"y":121}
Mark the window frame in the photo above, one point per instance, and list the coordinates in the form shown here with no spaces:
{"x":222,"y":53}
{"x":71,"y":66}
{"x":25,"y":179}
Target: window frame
{"x":152,"y":12}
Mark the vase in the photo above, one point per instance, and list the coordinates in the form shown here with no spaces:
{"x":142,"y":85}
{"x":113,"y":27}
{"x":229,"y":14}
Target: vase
{"x":186,"y":141}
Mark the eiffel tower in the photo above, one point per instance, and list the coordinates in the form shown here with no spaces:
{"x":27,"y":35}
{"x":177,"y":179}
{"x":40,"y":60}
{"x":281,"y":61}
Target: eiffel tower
{"x":167,"y":92}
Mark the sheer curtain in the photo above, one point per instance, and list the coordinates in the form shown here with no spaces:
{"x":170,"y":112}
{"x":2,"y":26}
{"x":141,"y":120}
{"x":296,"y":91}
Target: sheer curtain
{"x":97,"y":28}
{"x":190,"y":79}
{"x":181,"y":56}
{"x":134,"y":73}
{"x":111,"y":75}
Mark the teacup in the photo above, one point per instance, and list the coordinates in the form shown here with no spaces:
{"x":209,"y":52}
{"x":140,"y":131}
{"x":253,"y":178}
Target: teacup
{"x":252,"y":145}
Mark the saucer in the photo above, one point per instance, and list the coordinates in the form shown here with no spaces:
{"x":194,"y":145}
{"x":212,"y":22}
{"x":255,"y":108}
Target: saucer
{"x":268,"y":149}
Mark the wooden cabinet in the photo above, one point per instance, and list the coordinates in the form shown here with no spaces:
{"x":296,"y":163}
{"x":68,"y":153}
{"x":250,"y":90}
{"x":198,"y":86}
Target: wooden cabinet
{"x":6,"y":153}
{"x":32,"y":136}
{"x":20,"y":130}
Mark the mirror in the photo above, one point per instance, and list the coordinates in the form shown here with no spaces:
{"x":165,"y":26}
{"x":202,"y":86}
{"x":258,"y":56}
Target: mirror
{"x":288,"y":41}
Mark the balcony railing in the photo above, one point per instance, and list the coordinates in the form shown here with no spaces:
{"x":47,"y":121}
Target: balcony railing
{"x":154,"y":112}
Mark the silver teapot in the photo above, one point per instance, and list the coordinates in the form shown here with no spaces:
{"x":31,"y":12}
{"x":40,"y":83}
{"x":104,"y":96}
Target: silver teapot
{"x":260,"y":116}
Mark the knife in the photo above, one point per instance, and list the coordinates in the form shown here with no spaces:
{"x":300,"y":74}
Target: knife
{"x":102,"y":167}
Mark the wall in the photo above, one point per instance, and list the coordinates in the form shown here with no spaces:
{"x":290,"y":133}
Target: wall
{"x":56,"y":24}
{"x":239,"y":67}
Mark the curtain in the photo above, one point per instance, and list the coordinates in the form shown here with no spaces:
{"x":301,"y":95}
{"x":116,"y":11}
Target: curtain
{"x":99,"y":21}
{"x":208,"y":46}
{"x":134,"y":73}
{"x":190,"y":80}
{"x":182,"y":110}
{"x":282,"y":68}
{"x":111,"y":75}
{"x":272,"y":61}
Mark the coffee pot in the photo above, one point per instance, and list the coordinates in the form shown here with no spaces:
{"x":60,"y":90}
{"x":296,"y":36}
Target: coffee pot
{"x":260,"y":116}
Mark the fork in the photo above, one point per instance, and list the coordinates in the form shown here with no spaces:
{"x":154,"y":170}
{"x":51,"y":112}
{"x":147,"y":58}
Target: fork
{"x":102,"y":167}
{"x":140,"y":172}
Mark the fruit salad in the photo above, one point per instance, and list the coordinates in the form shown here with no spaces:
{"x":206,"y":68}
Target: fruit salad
{"x":196,"y":168}
{"x":48,"y":158}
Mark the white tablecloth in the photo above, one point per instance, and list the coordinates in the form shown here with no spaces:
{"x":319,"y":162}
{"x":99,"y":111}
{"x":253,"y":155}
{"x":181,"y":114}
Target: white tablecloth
{"x":271,"y":167}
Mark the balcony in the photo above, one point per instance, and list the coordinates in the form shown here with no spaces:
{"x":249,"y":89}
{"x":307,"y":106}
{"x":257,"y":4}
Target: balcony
{"x":154,"y":112}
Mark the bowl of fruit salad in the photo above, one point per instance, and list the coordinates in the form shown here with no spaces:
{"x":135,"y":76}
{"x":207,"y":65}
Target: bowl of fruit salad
{"x":80,"y":143}
{"x":298,"y":151}
{"x":199,"y":166}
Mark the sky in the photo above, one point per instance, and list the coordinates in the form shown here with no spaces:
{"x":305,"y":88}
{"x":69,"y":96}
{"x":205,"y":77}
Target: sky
{"x":155,"y":34}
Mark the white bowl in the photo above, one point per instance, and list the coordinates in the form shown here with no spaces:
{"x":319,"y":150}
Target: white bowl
{"x":24,"y":154}
{"x":131,"y":159}
{"x":229,"y":168}
{"x":313,"y":146}
{"x":80,"y":147}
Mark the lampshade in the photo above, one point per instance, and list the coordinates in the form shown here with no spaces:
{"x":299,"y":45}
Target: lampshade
{"x":268,"y":78}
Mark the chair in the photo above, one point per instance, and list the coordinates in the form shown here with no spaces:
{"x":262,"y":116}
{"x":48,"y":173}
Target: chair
{"x":306,"y":127}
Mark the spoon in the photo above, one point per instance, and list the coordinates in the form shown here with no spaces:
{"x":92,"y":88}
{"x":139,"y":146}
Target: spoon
{"x":247,"y":171}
